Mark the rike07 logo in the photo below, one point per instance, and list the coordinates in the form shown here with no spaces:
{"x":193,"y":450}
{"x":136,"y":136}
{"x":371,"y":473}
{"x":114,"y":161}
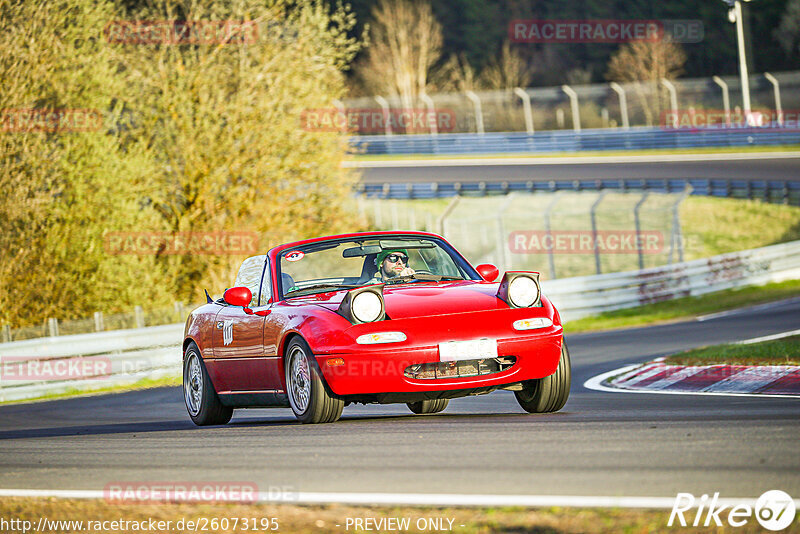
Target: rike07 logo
{"x":774,"y":510}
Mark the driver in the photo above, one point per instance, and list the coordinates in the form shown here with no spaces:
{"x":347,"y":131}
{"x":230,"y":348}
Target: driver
{"x":391,"y":264}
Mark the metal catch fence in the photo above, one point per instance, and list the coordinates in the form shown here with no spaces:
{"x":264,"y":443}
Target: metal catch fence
{"x":563,"y":234}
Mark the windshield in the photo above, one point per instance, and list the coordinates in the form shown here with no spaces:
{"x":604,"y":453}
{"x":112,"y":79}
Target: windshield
{"x":345,"y":264}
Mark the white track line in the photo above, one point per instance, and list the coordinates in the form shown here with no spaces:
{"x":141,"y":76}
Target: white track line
{"x":421,"y":499}
{"x":747,"y":309}
{"x":769,"y":338}
{"x":566,"y":160}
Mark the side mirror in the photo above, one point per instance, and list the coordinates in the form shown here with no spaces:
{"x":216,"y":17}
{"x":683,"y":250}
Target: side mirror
{"x":238,"y":296}
{"x":488,"y":271}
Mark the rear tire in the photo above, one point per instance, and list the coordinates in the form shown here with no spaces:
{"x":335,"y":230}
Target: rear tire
{"x":202,"y":401}
{"x":548,"y":394}
{"x":311,"y":400}
{"x":428,"y":406}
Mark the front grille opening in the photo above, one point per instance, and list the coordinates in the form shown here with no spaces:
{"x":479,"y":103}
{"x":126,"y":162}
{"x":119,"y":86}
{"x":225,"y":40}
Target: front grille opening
{"x":434,"y":370}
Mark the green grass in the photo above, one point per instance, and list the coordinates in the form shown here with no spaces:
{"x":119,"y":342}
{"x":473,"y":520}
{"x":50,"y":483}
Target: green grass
{"x":784,"y":351}
{"x":144,"y":383}
{"x":713,"y":226}
{"x":685,"y":308}
{"x":588,"y":153}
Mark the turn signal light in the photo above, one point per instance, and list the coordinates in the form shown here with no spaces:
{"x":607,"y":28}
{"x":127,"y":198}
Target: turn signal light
{"x":381,"y":337}
{"x":532,"y":324}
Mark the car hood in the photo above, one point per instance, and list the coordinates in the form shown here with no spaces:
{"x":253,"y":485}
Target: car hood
{"x":425,"y":299}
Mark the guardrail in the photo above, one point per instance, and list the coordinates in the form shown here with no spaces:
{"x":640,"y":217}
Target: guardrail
{"x":152,"y":352}
{"x":35,"y":367}
{"x":600,"y":139}
{"x":776,"y":191}
{"x":590,"y":295}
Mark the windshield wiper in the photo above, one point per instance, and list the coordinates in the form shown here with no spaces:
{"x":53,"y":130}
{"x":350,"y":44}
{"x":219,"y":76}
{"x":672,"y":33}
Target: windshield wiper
{"x":320,"y":286}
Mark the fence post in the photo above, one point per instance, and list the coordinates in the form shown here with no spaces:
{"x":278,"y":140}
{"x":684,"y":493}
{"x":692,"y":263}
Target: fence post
{"x":547,"y":212}
{"x":395,"y":215}
{"x":386,"y":113}
{"x":432,"y":124}
{"x":485,"y":240}
{"x":777,"y":91}
{"x":673,"y":100}
{"x":139,"y":316}
{"x":675,"y":233}
{"x":377,"y":217}
{"x":440,"y":224}
{"x":362,"y":210}
{"x":526,"y":106}
{"x":6,"y":333}
{"x":99,"y":326}
{"x":623,"y":104}
{"x":478,"y":111}
{"x":593,"y":215}
{"x":505,"y":253}
{"x":638,"y":225}
{"x":52,"y":326}
{"x":726,"y":100}
{"x":573,"y":101}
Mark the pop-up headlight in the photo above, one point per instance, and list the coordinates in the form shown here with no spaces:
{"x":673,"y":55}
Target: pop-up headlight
{"x":520,"y":289}
{"x":363,"y":305}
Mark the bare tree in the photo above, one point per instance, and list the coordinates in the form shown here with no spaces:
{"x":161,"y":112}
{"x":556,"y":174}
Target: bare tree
{"x":646,"y":63}
{"x":456,"y":75}
{"x":405,"y":42}
{"x":507,"y":71}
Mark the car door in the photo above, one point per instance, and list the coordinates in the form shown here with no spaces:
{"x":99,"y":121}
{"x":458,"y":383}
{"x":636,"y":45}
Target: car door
{"x":238,"y":336}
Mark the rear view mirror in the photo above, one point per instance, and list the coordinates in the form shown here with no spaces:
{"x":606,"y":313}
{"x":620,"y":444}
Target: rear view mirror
{"x":355,"y":252}
{"x":238,"y":296}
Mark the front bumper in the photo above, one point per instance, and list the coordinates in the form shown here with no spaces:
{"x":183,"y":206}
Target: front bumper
{"x":536,"y":355}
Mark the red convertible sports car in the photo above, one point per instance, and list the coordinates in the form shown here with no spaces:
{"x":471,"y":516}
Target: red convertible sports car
{"x":379,"y":317}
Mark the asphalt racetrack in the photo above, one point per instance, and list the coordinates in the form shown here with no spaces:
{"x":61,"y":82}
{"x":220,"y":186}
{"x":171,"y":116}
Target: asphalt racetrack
{"x":600,"y":444}
{"x":779,"y":167}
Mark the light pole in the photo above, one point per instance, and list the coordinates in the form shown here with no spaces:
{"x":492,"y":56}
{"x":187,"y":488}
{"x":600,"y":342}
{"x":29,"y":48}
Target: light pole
{"x":735,"y":15}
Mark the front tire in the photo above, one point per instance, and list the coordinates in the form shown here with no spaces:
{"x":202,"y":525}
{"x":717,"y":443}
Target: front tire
{"x":202,"y":401}
{"x":548,"y":394}
{"x":428,"y":406}
{"x":309,"y":396}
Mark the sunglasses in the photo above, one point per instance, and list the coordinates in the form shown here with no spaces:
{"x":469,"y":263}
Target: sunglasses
{"x":394,"y":258}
